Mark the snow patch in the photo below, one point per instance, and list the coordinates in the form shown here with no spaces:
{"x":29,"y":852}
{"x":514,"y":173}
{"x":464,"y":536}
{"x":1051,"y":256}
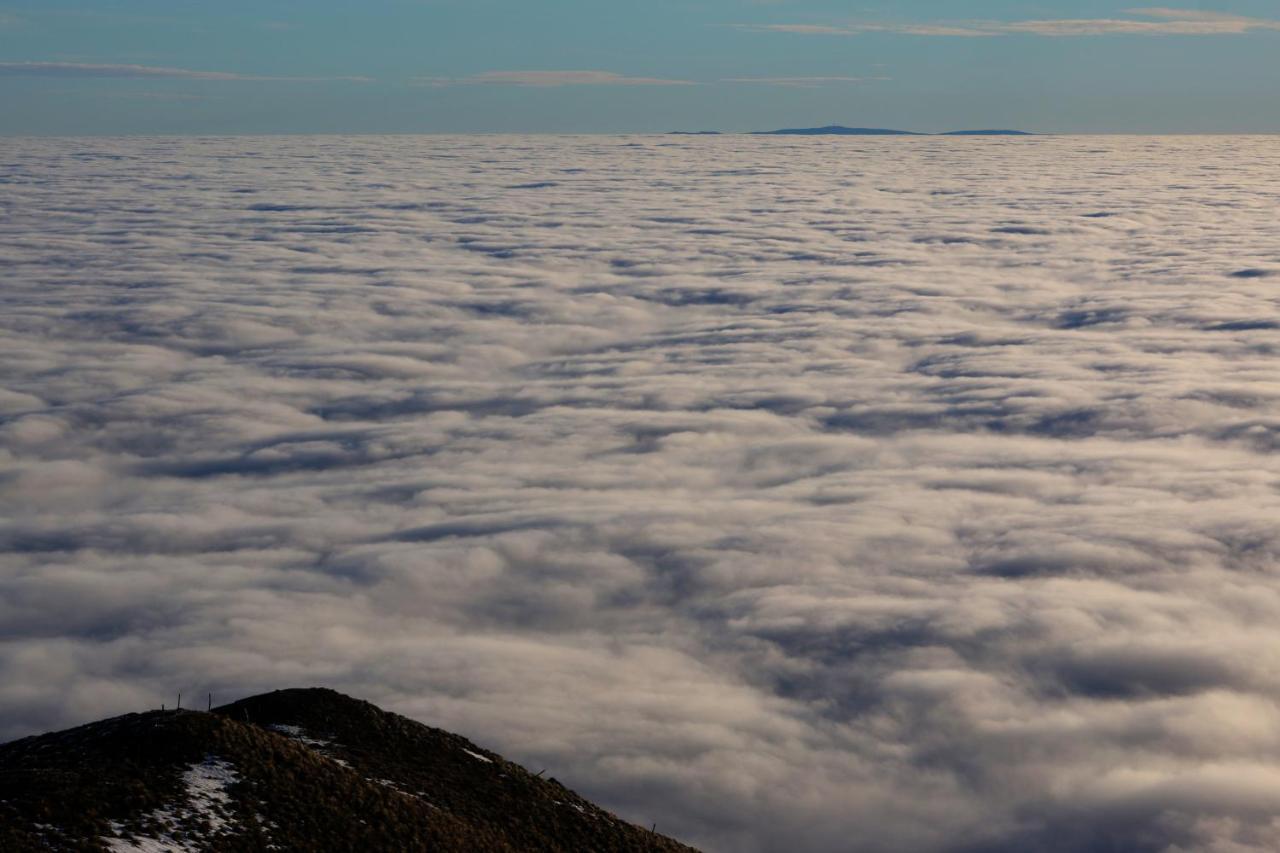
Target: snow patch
{"x":478,"y":757}
{"x":206,"y":800}
{"x":207,"y":790}
{"x":299,"y":734}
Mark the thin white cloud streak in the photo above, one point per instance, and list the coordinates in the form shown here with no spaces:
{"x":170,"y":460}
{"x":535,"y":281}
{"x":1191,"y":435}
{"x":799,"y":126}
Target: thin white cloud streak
{"x":548,"y":79}
{"x":802,"y":82}
{"x":919,"y":498}
{"x":557,"y":79}
{"x":1169,"y":22}
{"x":171,"y":97}
{"x":863,"y":29}
{"x":1192,"y":26}
{"x":147,"y":72}
{"x":800,"y":29}
{"x":1193,"y":15}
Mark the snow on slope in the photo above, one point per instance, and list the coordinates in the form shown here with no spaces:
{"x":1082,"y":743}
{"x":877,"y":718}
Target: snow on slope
{"x":204,"y":804}
{"x":300,"y":734}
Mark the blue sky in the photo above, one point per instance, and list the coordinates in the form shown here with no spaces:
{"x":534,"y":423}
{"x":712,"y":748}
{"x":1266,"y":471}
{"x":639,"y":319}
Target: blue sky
{"x":180,"y":66}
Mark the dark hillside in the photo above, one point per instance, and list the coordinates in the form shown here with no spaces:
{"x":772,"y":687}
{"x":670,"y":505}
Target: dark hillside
{"x":334,"y":774}
{"x":448,"y":771}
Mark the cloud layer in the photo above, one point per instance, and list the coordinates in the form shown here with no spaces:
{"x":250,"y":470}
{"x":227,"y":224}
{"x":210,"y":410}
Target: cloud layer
{"x":549,"y":79}
{"x":801,"y":82}
{"x":795,"y":494}
{"x":1158,"y":21}
{"x":142,"y":72}
{"x":557,"y":79}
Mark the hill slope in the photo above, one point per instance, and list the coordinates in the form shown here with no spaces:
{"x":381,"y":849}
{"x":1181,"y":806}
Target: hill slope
{"x":289,"y":770}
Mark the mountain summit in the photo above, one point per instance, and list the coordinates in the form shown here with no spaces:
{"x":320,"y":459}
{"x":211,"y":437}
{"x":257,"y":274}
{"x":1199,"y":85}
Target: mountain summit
{"x":290,"y":770}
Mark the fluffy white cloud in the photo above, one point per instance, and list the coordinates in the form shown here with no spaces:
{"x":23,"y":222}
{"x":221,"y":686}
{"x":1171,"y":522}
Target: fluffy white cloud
{"x":803,"y":494}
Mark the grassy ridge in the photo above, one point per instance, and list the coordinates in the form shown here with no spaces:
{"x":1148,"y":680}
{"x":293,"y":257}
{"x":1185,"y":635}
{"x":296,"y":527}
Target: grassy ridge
{"x":367,"y":781}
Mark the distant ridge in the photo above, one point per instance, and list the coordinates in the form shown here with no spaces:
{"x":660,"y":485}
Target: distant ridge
{"x":835,"y":130}
{"x":841,"y":130}
{"x":987,"y":133}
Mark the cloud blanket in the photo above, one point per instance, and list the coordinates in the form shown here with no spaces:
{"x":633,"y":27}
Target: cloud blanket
{"x":805,"y":495}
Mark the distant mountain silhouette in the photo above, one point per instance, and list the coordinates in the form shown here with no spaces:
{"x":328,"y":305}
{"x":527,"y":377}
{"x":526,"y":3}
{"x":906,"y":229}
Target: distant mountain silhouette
{"x":841,"y":130}
{"x":293,"y":770}
{"x":835,"y":130}
{"x":987,"y":133}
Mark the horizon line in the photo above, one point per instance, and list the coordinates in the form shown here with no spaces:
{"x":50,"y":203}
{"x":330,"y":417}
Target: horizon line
{"x":898,"y":135}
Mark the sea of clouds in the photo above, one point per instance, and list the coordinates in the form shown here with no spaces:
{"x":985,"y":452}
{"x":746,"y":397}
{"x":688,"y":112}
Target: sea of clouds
{"x":793,"y":494}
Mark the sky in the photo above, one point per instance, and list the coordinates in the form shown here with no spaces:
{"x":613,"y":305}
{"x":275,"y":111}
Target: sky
{"x":586,"y":66}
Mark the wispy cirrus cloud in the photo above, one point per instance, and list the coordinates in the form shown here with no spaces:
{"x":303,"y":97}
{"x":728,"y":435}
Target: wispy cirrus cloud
{"x":548,"y":79}
{"x":799,"y":29}
{"x":1202,"y":15}
{"x":801,"y":82}
{"x":146,"y":72}
{"x":860,"y":29}
{"x":555,"y":79}
{"x":1159,"y":20}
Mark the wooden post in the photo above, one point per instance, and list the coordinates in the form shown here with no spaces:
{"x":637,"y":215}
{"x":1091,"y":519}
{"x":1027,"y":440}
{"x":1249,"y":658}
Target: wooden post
{"x":179,"y":701}
{"x":210,"y":708}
